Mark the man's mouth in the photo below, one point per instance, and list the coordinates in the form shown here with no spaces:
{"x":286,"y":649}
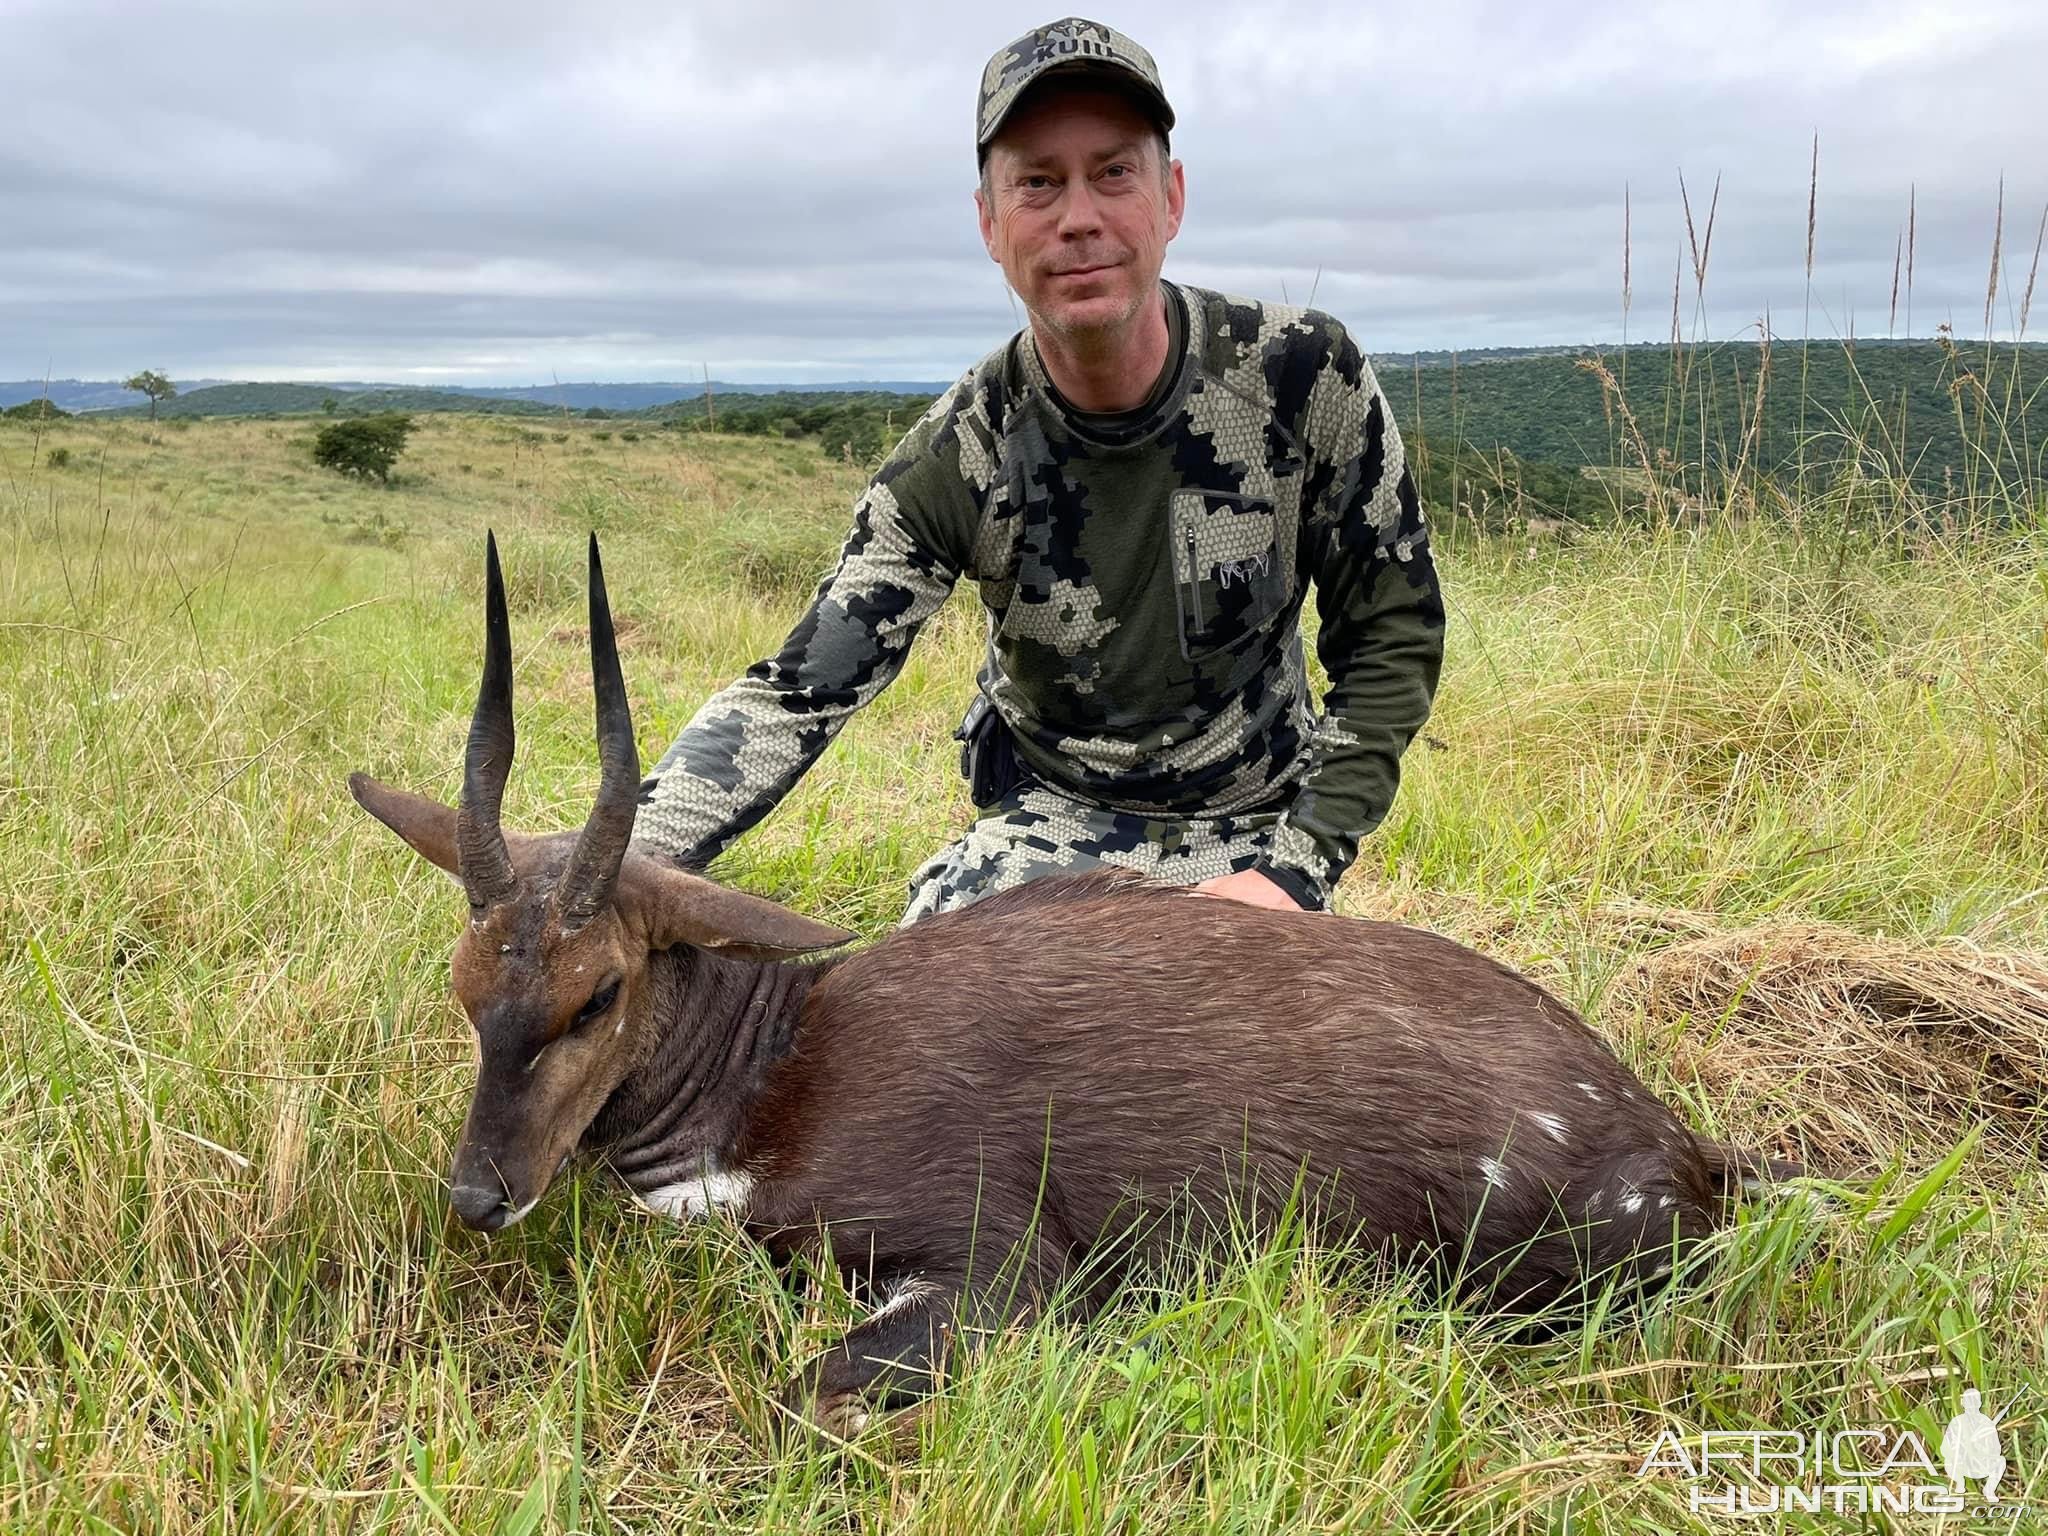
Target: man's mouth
{"x":1083,"y":271}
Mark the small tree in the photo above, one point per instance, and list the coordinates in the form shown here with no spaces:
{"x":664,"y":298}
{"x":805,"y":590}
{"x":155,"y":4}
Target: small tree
{"x":364,"y":446}
{"x":155,"y":385}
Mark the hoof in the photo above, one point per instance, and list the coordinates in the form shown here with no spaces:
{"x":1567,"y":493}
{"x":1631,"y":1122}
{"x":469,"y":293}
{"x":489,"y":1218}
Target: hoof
{"x":843,"y":1417}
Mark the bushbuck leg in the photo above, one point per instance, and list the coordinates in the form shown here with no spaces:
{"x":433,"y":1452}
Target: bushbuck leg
{"x":897,"y":1356}
{"x":889,"y":1362}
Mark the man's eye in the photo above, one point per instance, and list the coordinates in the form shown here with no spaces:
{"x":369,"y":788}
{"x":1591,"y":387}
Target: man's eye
{"x":1117,"y":170}
{"x":602,"y":1000}
{"x":1035,"y":183}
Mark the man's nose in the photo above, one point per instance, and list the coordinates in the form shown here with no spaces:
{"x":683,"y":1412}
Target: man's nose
{"x":1080,"y":214}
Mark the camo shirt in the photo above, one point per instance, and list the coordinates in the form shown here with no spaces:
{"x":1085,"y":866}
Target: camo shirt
{"x":1142,"y":586}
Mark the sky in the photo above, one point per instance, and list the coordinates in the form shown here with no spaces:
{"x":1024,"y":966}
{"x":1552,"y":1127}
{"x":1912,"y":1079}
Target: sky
{"x":505,"y":192}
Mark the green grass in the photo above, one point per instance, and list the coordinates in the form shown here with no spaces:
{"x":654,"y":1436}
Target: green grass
{"x":231,"y":1297}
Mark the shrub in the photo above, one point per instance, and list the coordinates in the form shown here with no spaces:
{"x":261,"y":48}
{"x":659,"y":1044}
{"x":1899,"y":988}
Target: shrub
{"x":363,"y":446}
{"x":57,"y":458}
{"x":33,"y":410}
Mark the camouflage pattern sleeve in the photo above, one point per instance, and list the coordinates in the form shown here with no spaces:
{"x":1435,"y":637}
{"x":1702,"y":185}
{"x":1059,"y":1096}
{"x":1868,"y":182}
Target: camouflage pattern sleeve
{"x":1382,"y":624}
{"x":750,"y":742}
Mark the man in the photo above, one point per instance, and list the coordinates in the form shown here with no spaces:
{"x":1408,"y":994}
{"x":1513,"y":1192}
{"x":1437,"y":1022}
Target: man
{"x":1143,"y":482}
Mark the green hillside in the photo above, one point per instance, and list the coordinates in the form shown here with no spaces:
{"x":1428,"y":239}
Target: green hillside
{"x":304,"y":399}
{"x":860,"y":423}
{"x":1917,"y":407}
{"x":1529,"y":422}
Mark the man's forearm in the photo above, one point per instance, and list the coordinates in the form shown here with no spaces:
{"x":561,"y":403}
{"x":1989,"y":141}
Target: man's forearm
{"x":750,"y":743}
{"x":1371,"y":713}
{"x":728,"y":768}
{"x":1381,"y":643}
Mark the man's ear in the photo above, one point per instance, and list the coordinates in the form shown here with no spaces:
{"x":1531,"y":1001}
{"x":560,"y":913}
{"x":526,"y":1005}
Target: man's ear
{"x":677,"y":907}
{"x":427,"y":826}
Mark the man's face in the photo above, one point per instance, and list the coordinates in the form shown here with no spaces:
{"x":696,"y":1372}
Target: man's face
{"x":1078,"y":209}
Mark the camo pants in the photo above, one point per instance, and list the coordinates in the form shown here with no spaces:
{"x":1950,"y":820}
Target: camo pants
{"x":1036,"y":831}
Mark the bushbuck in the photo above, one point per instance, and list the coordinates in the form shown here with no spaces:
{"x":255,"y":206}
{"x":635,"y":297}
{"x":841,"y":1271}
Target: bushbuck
{"x":1032,"y":1095}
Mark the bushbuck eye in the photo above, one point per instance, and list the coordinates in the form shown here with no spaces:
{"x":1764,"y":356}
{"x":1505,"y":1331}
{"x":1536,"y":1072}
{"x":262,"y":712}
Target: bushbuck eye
{"x":602,"y":999}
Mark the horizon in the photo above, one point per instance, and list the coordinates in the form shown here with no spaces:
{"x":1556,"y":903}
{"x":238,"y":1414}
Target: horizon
{"x":639,"y":195}
{"x":767,"y":385}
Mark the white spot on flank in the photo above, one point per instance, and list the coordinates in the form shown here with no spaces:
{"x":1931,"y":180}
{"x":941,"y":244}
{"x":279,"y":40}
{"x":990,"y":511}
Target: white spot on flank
{"x":693,"y":1199}
{"x":904,"y":1294}
{"x":1665,"y":1202}
{"x":1590,"y":1091}
{"x":504,"y":949}
{"x":1553,"y":1125}
{"x":1496,"y":1175}
{"x":1632,"y":1201}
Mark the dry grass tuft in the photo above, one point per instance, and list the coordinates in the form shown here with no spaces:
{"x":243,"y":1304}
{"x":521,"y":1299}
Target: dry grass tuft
{"x":1859,"y":1047}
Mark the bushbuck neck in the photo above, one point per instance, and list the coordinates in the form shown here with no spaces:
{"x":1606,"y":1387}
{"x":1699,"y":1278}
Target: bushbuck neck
{"x":557,"y":968}
{"x":719,"y":1023}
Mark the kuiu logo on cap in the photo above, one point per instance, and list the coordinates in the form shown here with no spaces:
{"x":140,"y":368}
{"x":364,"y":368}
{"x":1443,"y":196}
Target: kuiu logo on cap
{"x":1058,"y":43}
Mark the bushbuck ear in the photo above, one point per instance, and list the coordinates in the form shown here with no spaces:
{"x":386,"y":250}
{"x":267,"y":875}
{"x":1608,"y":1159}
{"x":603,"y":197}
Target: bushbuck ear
{"x":426,"y":825}
{"x":682,"y":908}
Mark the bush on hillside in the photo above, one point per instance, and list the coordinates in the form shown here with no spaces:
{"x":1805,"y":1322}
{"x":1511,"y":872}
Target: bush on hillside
{"x":33,"y":410}
{"x":364,"y":446}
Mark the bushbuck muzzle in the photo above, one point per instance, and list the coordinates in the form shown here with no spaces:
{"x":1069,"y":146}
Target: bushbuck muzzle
{"x":552,"y":966}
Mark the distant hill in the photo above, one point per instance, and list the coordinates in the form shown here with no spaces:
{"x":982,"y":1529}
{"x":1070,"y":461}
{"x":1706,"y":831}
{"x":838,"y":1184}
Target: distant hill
{"x":226,"y":397}
{"x":610,"y":399}
{"x":302,"y":399}
{"x":636,"y":397}
{"x":81,"y":394}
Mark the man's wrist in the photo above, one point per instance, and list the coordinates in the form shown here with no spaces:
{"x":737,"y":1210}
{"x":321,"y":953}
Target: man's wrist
{"x":1301,"y":887}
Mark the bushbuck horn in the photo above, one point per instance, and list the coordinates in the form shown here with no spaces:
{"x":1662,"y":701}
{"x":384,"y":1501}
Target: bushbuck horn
{"x":594,"y":867}
{"x":485,"y":863}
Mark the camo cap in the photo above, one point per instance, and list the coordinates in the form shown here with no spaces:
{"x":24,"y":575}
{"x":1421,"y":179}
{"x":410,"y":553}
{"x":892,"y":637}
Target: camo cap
{"x":1072,"y":45}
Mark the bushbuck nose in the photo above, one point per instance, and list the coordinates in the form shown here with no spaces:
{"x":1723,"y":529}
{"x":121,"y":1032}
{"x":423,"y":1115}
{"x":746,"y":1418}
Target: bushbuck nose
{"x":483,"y":1208}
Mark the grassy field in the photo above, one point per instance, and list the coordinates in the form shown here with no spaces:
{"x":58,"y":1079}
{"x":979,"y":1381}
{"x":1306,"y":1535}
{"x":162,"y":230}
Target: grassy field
{"x":1772,"y":809}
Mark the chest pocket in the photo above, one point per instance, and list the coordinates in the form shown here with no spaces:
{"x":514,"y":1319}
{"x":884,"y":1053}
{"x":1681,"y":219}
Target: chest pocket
{"x":1233,"y":569}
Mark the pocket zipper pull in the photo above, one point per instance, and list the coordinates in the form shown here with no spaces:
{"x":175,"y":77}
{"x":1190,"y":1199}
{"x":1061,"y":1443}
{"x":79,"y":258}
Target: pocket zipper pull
{"x":1194,"y":577}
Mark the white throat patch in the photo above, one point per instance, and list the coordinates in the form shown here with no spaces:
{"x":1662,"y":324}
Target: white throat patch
{"x":694,"y":1199}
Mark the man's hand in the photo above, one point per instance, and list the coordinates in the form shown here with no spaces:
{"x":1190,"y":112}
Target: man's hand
{"x":1251,"y":888}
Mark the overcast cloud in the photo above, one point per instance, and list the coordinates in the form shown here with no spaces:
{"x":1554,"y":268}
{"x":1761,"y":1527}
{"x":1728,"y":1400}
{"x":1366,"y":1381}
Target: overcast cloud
{"x":494,"y":193}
